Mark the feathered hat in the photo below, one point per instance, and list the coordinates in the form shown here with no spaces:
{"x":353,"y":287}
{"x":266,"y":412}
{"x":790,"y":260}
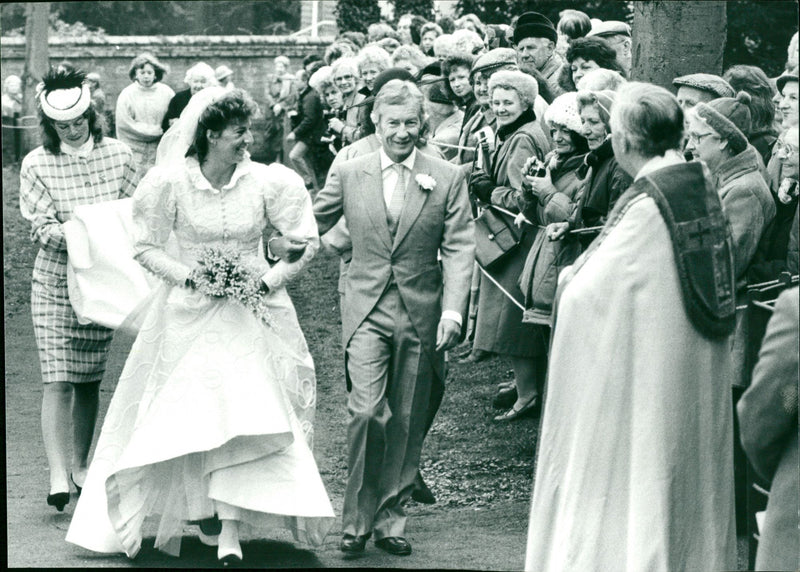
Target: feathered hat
{"x":64,"y":94}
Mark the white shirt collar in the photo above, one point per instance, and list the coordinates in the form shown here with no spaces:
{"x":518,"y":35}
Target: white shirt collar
{"x":408,"y":162}
{"x":243,"y":167}
{"x":671,"y":157}
{"x":83,"y":151}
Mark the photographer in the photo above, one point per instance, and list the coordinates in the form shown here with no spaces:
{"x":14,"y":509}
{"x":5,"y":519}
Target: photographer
{"x":550,"y":190}
{"x":333,"y":111}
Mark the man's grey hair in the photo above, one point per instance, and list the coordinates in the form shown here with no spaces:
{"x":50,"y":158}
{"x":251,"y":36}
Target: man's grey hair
{"x":398,"y":92}
{"x":649,"y":117}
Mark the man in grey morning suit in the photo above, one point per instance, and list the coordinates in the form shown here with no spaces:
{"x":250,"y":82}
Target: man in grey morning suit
{"x":401,"y":311}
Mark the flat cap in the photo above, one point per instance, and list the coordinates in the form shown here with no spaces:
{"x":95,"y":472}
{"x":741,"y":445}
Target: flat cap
{"x":706,"y":82}
{"x":493,"y":59}
{"x":609,"y":28}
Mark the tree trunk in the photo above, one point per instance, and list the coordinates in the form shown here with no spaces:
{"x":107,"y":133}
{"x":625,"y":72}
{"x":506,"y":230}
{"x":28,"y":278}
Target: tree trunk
{"x":672,"y":39}
{"x":36,"y":64}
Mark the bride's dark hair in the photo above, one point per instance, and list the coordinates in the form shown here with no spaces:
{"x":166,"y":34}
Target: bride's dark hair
{"x":236,"y":105}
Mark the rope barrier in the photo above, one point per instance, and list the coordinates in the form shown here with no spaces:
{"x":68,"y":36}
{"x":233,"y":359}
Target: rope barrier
{"x":503,"y":290}
{"x":21,"y":119}
{"x":450,"y":145}
{"x":587,"y":230}
{"x":6,"y":126}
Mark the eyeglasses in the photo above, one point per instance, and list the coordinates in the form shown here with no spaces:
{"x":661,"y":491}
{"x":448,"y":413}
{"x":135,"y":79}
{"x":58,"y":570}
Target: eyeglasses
{"x":787,"y":148}
{"x":696,"y":138}
{"x":344,"y":78}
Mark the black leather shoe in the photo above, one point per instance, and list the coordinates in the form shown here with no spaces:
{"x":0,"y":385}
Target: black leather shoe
{"x":58,"y":500}
{"x":353,"y":545}
{"x":396,"y":545}
{"x":421,"y":493}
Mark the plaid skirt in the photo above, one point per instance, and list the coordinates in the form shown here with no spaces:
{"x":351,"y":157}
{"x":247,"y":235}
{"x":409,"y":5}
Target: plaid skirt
{"x":68,"y":351}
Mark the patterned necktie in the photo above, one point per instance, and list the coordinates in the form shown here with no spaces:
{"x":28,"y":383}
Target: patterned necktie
{"x":395,"y":206}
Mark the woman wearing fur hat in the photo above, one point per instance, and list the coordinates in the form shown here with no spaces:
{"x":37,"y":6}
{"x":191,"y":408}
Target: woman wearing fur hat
{"x":604,"y":180}
{"x":551,"y":199}
{"x":76,"y":165}
{"x":499,"y":328}
{"x":141,"y":108}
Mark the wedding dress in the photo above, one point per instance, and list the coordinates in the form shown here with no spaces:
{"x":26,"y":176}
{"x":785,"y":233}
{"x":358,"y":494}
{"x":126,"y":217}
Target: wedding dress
{"x":214,"y":407}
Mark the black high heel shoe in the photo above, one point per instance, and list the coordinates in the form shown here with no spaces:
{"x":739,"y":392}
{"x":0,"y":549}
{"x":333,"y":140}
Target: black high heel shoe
{"x":79,"y":489}
{"x":58,"y":500}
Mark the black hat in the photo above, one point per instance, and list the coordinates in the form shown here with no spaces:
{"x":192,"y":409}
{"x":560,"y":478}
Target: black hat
{"x":534,"y":25}
{"x":433,"y":68}
{"x":437,"y":94}
{"x":388,"y":75}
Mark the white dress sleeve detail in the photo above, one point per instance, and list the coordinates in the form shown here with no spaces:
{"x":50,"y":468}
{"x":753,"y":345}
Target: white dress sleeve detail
{"x":154,"y":215}
{"x":288,"y":207}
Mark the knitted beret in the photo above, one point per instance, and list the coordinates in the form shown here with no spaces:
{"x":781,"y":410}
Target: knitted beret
{"x":493,"y":59}
{"x":706,"y":82}
{"x":564,"y":111}
{"x":784,"y":77}
{"x":534,"y":25}
{"x":729,"y":117}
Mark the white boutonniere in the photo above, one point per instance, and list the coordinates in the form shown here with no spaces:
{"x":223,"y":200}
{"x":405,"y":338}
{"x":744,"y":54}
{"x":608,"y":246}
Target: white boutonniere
{"x":425,"y":182}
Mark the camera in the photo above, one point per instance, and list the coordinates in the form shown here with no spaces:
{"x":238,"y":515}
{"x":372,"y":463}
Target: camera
{"x":537,"y":169}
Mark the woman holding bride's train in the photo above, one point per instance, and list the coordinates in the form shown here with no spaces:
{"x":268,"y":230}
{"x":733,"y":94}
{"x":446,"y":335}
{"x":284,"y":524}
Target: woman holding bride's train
{"x":212,"y":417}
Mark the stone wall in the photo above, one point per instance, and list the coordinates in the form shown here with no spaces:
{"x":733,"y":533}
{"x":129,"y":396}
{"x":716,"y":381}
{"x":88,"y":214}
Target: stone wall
{"x":250,"y":57}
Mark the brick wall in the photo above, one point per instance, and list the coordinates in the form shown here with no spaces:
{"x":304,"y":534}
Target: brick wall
{"x":250,"y":57}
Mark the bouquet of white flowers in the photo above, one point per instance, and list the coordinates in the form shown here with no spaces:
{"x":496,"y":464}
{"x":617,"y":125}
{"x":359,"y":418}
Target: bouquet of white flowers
{"x":221,"y":272}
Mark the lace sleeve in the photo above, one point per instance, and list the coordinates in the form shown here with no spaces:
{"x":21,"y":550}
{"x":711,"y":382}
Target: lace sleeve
{"x":154,"y":215}
{"x":288,"y":208}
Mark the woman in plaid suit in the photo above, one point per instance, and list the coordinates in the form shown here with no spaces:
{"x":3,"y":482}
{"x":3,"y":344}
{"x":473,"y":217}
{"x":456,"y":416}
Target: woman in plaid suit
{"x":76,"y":165}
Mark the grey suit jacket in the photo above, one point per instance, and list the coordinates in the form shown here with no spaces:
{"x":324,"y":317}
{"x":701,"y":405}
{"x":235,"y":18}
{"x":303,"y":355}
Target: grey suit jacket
{"x":432,"y":222}
{"x":769,"y":433}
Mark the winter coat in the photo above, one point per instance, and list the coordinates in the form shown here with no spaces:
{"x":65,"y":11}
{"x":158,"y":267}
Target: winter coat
{"x":546,"y":258}
{"x":499,"y":326}
{"x":605,"y":181}
{"x":768,"y":422}
{"x":311,"y":124}
{"x":748,"y":206}
{"x":764,"y":141}
{"x":773,"y":253}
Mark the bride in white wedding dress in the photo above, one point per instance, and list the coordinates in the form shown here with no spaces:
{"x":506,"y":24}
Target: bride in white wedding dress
{"x":213,"y":414}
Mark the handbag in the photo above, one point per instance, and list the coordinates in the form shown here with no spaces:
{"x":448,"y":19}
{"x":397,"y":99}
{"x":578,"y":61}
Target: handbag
{"x":496,"y":237}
